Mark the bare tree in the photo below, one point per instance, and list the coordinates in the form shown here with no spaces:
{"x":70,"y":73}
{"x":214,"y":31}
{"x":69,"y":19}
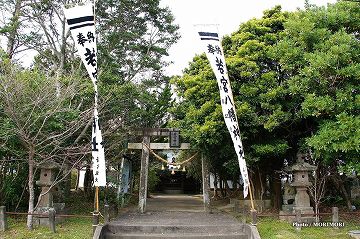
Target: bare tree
{"x":317,"y":189}
{"x":44,"y":122}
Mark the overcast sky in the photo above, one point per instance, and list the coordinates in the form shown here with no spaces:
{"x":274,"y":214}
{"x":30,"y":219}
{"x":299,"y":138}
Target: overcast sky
{"x":229,"y":14}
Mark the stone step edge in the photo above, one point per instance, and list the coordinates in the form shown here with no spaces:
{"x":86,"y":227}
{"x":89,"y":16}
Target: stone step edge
{"x":173,"y":228}
{"x":175,"y":235}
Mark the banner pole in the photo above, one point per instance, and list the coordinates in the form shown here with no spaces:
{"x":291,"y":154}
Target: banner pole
{"x":251,"y":196}
{"x":97,"y":199}
{"x":96,"y":212}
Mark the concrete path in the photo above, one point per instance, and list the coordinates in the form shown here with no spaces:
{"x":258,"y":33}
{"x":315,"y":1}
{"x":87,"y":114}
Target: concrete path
{"x":173,"y":203}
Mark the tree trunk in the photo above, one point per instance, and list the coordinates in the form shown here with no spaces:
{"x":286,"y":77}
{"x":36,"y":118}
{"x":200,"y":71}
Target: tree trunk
{"x":14,"y":29}
{"x":67,"y":181}
{"x":205,"y":184}
{"x":77,"y":180}
{"x":216,"y":195}
{"x":276,"y":191}
{"x":88,"y":182}
{"x":120,"y":177}
{"x":223,"y":193}
{"x":316,"y":212}
{"x":227,"y":188}
{"x":345,"y":193}
{"x":31,"y":190}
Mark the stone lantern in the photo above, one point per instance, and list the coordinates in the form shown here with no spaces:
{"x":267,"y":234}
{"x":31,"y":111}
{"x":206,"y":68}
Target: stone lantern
{"x":46,"y":180}
{"x":300,"y":171}
{"x":47,"y":176}
{"x":301,"y":182}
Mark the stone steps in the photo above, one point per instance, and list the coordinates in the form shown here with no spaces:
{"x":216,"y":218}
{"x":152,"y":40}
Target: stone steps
{"x":185,"y":236}
{"x":161,"y":229}
{"x":188,"y":232}
{"x":160,"y":225}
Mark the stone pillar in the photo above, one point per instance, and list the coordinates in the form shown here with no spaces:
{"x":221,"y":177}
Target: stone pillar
{"x":107,"y":213}
{"x":95,"y":221}
{"x":52,"y":220}
{"x":144,"y":175}
{"x":3,"y":220}
{"x":253,"y":213}
{"x":205,"y":184}
{"x":335,"y":215}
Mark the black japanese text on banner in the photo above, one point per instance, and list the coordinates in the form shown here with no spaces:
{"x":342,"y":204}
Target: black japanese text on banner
{"x":82,"y":27}
{"x":98,"y":153}
{"x":212,"y":46}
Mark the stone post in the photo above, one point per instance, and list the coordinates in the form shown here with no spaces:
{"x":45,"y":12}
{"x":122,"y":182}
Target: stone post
{"x":106,"y":213}
{"x":144,"y":175}
{"x":3,"y":220}
{"x":335,"y":215}
{"x":253,"y":217}
{"x":95,"y":221}
{"x":236,"y":206}
{"x":205,"y":184}
{"x":52,"y":219}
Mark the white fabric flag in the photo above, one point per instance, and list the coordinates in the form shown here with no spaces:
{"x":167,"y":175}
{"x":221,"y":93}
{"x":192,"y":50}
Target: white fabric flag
{"x":98,"y":153}
{"x":82,"y":27}
{"x":211,"y":42}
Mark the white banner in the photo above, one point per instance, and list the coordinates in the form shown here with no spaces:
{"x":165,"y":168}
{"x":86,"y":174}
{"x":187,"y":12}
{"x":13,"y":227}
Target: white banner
{"x":82,"y":27}
{"x":211,"y":43}
{"x":98,"y":153}
{"x":81,"y":22}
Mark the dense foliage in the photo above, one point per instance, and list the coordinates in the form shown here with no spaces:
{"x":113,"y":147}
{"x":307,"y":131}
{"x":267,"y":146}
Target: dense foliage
{"x":295,"y":82}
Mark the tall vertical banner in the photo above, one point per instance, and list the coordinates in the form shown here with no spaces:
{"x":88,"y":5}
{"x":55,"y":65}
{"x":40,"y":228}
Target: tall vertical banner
{"x":81,"y":22}
{"x":211,"y":44}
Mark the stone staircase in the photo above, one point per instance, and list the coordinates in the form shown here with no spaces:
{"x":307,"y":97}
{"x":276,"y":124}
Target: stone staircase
{"x":189,"y":232}
{"x":189,"y":225}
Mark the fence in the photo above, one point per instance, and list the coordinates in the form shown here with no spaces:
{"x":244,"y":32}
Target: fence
{"x":51,"y":215}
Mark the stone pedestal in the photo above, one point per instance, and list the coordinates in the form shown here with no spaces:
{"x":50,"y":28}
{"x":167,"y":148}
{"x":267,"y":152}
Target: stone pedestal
{"x":302,"y":201}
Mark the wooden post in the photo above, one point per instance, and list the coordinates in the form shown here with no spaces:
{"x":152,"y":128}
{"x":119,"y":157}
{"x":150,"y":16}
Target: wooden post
{"x":3,"y":219}
{"x":52,"y":220}
{"x":205,"y":181}
{"x":144,"y":175}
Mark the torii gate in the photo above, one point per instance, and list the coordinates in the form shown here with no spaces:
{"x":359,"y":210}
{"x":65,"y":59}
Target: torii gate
{"x":174,"y":143}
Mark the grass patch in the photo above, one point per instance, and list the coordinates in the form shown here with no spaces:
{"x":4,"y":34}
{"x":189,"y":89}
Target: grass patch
{"x":72,"y":228}
{"x":270,"y":228}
